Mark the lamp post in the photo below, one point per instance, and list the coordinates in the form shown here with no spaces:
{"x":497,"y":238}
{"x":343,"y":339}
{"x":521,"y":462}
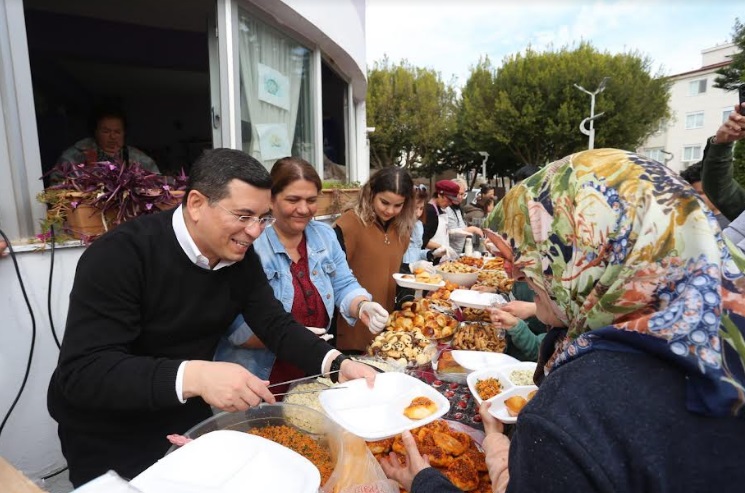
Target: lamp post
{"x":593,"y":116}
{"x":485,"y":155}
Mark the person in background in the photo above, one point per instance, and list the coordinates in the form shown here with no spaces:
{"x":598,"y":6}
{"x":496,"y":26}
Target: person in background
{"x":416,"y":251}
{"x":375,"y":233}
{"x":107,"y":144}
{"x":524,"y":172}
{"x":435,"y":215}
{"x":458,"y":229}
{"x":719,"y":184}
{"x":149,"y":302}
{"x":692,"y":175}
{"x":649,"y":318}
{"x":477,"y":213}
{"x":416,"y":475}
{"x":307,"y":271}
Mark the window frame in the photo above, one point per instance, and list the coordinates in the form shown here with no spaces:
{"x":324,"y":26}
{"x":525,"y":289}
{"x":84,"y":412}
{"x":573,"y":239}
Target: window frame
{"x":699,"y":83}
{"x":687,"y":162}
{"x":697,"y":115}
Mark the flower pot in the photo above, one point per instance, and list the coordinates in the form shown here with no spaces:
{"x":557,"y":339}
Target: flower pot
{"x":174,"y":201}
{"x":335,"y":200}
{"x":85,"y":221}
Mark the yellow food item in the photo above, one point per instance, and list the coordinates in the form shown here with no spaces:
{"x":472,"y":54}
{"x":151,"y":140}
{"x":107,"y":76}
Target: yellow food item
{"x":515,"y":404}
{"x":420,"y":408}
{"x":488,"y":388}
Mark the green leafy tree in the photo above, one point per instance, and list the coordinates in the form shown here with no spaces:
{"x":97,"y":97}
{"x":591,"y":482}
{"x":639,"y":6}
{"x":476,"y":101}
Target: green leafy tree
{"x":531,"y":107}
{"x":731,"y":76}
{"x":412,"y":111}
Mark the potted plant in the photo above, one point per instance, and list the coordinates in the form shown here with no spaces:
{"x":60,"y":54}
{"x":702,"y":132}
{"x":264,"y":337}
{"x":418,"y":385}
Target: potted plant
{"x":335,"y":196}
{"x":88,"y":200}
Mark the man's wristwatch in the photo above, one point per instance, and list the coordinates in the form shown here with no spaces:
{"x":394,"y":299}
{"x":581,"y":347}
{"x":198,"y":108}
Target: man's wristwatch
{"x":336,"y":366}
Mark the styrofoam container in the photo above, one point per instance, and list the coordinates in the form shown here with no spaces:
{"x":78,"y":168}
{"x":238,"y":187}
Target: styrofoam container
{"x":479,"y":360}
{"x":523,"y":365}
{"x":412,"y":284}
{"x":499,"y":410}
{"x":378,"y":412}
{"x":466,"y":298}
{"x":484,"y":374}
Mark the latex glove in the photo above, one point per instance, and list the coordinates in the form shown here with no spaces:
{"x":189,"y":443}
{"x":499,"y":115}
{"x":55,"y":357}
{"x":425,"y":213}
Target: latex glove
{"x":374,"y":316}
{"x":445,"y":252}
{"x":321,"y":332}
{"x":422,"y":264}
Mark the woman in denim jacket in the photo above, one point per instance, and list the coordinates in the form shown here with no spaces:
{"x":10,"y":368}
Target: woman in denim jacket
{"x":307,"y":269}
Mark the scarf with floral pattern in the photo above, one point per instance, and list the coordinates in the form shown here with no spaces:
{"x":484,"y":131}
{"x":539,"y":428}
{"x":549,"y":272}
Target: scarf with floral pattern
{"x":633,"y":261}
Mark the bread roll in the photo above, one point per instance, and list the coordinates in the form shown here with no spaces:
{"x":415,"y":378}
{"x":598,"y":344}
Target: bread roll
{"x":420,"y":408}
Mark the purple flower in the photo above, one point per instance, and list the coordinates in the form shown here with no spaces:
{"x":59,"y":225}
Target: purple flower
{"x":74,"y":204}
{"x":149,"y":205}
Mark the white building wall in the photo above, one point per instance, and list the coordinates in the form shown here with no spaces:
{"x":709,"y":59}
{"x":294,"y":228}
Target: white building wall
{"x":675,"y":137}
{"x":29,"y":440}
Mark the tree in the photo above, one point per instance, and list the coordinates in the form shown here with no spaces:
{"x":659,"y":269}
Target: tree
{"x":733,"y":75}
{"x":412,"y":111}
{"x":532,"y":107}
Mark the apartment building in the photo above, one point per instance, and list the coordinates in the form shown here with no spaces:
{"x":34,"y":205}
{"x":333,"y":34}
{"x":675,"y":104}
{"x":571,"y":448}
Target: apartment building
{"x":698,"y":109}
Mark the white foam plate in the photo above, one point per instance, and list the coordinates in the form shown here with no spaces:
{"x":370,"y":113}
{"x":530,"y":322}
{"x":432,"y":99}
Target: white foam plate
{"x":378,"y":413}
{"x":523,"y":365}
{"x":478,"y":360}
{"x":228,"y":461}
{"x":484,"y":374}
{"x":476,"y":299}
{"x":412,"y":284}
{"x":499,"y":410}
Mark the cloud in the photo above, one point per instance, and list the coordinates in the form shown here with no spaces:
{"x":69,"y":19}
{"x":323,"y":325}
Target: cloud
{"x":451,"y":37}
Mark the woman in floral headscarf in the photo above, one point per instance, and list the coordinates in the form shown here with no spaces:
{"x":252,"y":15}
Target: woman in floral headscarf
{"x":642,"y":381}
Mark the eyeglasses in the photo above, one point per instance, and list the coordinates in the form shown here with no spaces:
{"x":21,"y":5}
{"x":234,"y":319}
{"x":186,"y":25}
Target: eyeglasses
{"x":263,"y":222}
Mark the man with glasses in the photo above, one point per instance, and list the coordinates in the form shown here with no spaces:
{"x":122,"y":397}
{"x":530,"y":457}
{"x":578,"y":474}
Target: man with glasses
{"x":149,"y":302}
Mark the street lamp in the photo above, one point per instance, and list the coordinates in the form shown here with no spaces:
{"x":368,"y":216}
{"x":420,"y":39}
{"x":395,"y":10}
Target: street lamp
{"x":593,"y":116}
{"x":485,"y":155}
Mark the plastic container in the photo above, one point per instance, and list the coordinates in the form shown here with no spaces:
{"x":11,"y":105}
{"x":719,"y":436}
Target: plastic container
{"x":313,"y":423}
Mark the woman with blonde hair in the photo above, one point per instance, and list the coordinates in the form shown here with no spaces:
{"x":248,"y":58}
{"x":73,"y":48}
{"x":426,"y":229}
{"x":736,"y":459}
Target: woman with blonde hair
{"x":375,"y":233}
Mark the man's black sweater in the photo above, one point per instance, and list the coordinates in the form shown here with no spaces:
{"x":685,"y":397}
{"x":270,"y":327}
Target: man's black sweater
{"x":139,"y":307}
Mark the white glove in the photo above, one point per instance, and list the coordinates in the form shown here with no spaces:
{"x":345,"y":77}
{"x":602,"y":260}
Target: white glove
{"x":445,"y":251}
{"x":422,"y":264}
{"x":321,"y":332}
{"x":377,"y":316}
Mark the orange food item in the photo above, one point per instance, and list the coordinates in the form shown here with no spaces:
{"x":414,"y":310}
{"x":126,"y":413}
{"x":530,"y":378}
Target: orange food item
{"x":300,"y":443}
{"x":515,"y":404}
{"x":420,"y":408}
{"x":488,"y":388}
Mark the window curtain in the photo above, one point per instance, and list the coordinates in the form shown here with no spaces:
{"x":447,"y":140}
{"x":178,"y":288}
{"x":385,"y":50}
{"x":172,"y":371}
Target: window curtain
{"x":272,"y":67}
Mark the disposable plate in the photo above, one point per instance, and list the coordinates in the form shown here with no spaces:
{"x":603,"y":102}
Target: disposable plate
{"x":378,"y":413}
{"x":499,"y":410}
{"x":412,"y":284}
{"x":226,"y":461}
{"x":478,"y":360}
{"x":476,"y":299}
{"x":474,"y":377}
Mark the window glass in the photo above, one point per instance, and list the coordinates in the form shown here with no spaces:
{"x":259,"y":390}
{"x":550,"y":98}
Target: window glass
{"x":697,"y":87}
{"x":691,"y":153}
{"x":695,"y":120}
{"x":276,"y":109}
{"x":655,"y":153}
{"x":726,"y":114}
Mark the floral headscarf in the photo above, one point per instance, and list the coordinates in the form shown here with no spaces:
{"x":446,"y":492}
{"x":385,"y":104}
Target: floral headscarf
{"x":633,"y":262}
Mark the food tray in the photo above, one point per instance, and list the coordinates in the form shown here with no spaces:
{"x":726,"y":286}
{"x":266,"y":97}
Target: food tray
{"x":466,"y":298}
{"x":499,"y":410}
{"x":475,"y":376}
{"x":448,"y":376}
{"x":479,"y":336}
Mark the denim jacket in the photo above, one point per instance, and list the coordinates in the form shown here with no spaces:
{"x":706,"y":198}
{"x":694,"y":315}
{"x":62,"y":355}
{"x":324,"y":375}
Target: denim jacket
{"x":329,"y":272}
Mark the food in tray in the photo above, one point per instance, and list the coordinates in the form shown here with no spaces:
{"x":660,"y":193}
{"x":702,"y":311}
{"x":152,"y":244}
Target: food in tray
{"x":452,"y":452}
{"x":303,"y":394}
{"x":410,"y":348}
{"x":488,"y":388}
{"x":479,"y":336}
{"x":522,"y":377}
{"x":516,"y":403}
{"x":475,"y":315}
{"x":421,"y":275}
{"x":472,"y":261}
{"x":444,"y":306}
{"x":301,"y":443}
{"x":496,"y":279}
{"x":446,"y":364}
{"x":496,"y":263}
{"x":444,"y":292}
{"x":417,"y":316}
{"x":456,"y":268}
{"x":420,"y":408}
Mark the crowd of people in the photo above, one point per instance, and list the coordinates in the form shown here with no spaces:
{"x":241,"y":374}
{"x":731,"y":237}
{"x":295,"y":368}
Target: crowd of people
{"x":627,"y":294}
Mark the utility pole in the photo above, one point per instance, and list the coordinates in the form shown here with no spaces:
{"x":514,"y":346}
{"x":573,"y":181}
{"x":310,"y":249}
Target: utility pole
{"x":593,"y":116}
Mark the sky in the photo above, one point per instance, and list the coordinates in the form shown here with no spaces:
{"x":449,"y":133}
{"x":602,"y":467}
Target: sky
{"x":449,"y":36}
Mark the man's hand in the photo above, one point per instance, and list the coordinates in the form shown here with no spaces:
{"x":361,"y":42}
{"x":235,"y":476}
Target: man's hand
{"x":491,"y":424}
{"x":352,"y":370}
{"x":227,"y":386}
{"x":414,"y":463}
{"x":502,"y":319}
{"x":374,"y":316}
{"x":733,"y":129}
{"x":3,"y":246}
{"x":520,"y":309}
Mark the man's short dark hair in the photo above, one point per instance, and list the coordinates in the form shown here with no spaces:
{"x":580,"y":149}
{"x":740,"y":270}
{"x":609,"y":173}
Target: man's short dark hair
{"x":525,"y":172}
{"x":107,"y":110}
{"x":215,"y":169}
{"x":692,"y":174}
